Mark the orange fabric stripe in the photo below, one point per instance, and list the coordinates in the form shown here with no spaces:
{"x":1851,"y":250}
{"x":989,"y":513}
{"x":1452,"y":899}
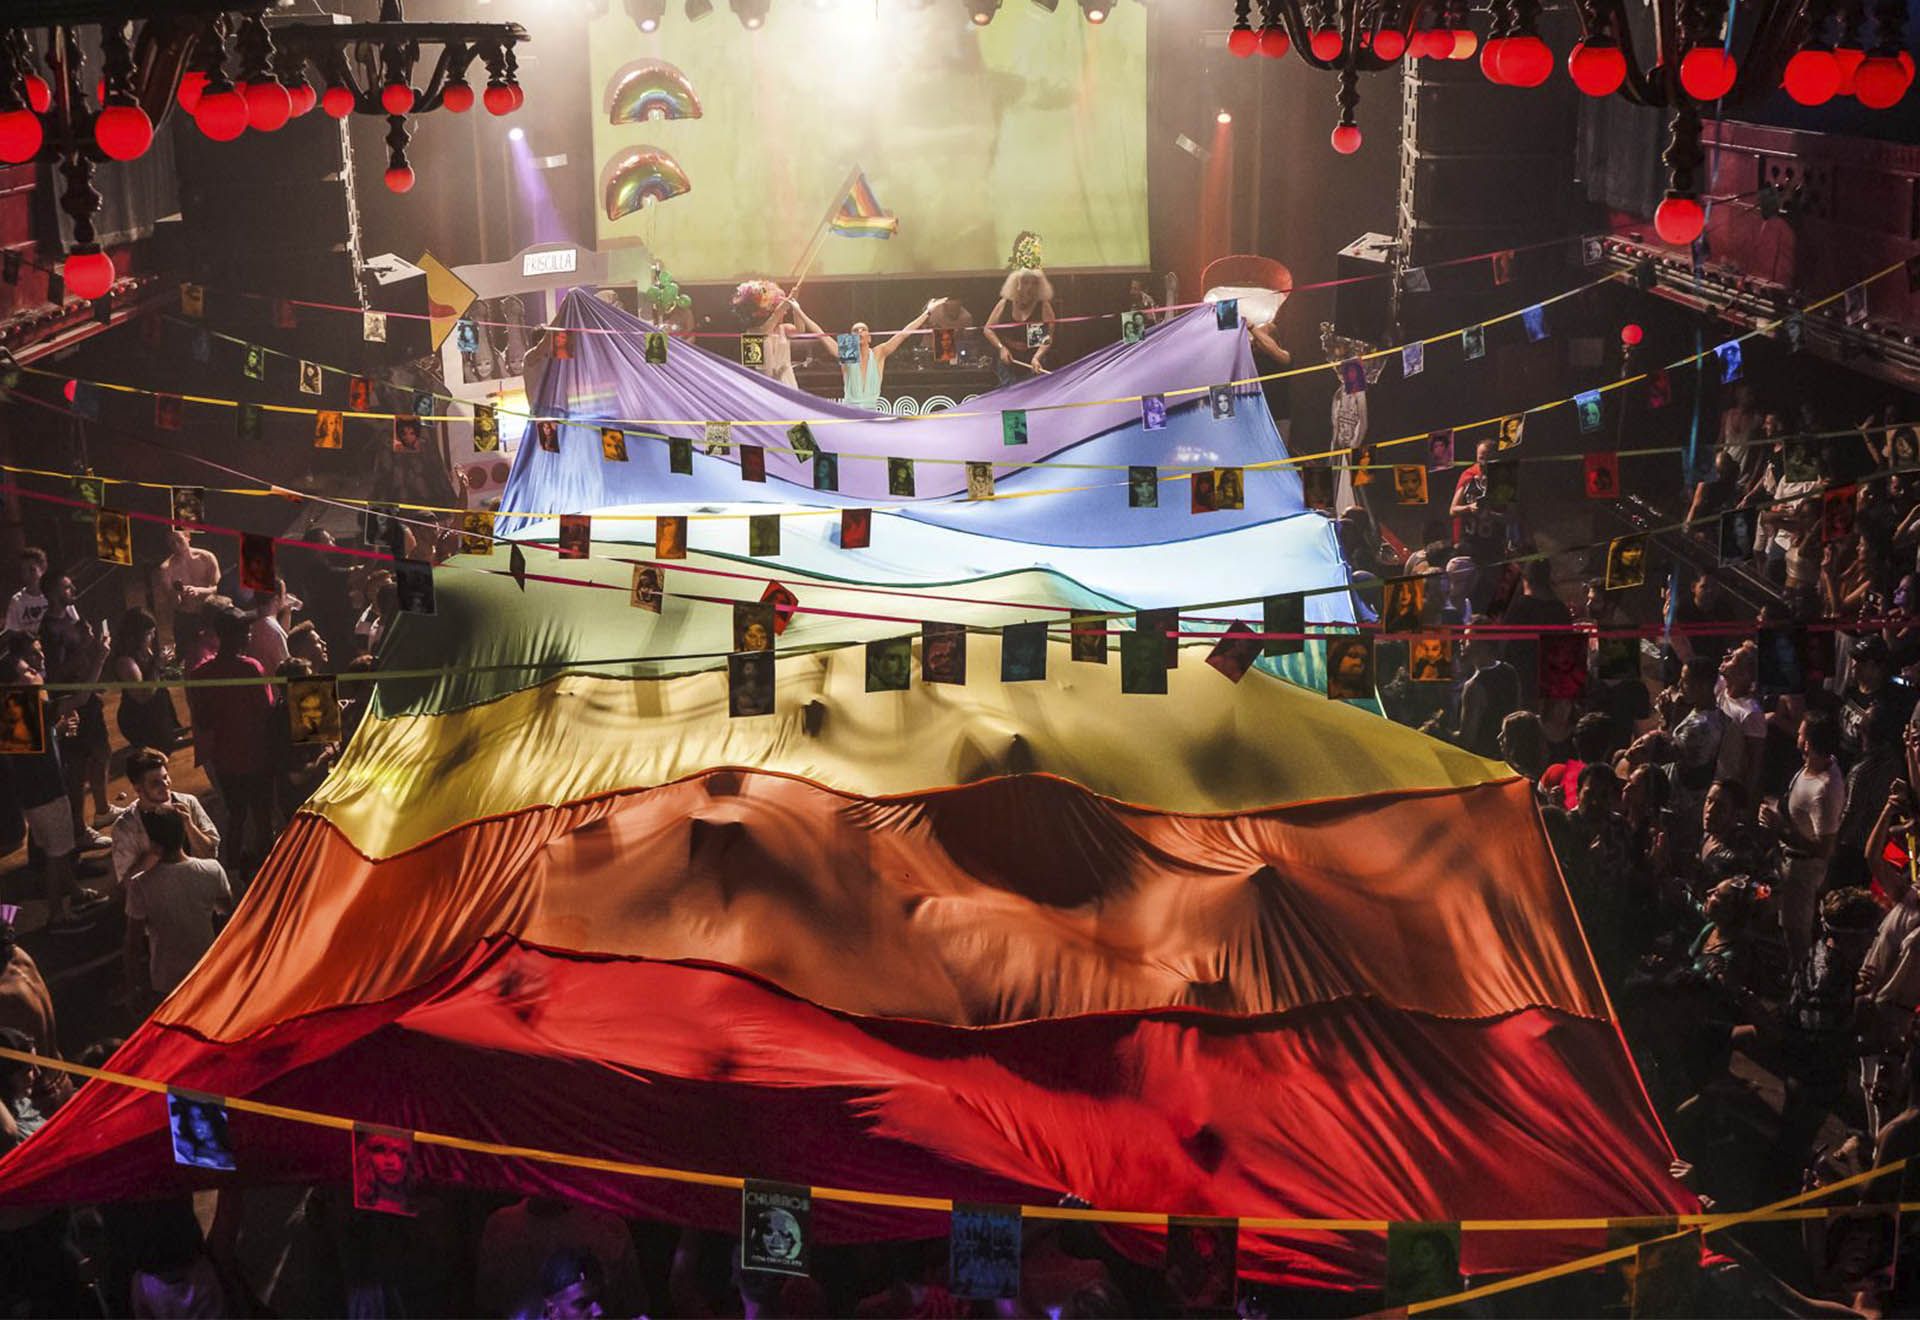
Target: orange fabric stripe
{"x":1005,"y":901}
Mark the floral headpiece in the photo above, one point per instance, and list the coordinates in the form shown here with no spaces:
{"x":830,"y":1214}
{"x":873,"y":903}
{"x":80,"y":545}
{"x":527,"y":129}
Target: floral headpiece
{"x":756,"y":299}
{"x":1026,"y":251}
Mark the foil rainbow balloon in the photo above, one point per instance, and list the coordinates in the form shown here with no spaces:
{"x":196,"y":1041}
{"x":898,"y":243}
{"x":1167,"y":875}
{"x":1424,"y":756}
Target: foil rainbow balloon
{"x":638,"y":176}
{"x":646,"y":90}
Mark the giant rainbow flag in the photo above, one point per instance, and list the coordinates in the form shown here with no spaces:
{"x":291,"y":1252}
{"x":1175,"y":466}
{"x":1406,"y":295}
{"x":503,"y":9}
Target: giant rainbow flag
{"x":1234,"y":950}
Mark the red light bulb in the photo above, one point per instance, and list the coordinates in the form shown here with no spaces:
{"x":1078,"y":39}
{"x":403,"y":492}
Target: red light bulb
{"x":1880,"y":82}
{"x":337,"y":101}
{"x":1707,"y":73}
{"x":1812,"y":77}
{"x":396,"y":98}
{"x":1597,"y":69}
{"x":222,"y":116}
{"x":88,"y":274}
{"x":303,"y":97}
{"x":1346,"y":139}
{"x":498,"y":98}
{"x":20,"y":135}
{"x":458,"y":96}
{"x":192,"y":83}
{"x":1325,"y":43}
{"x":400,"y":179}
{"x":39,"y":94}
{"x":1274,"y":42}
{"x":519,"y":94}
{"x":1390,"y":43}
{"x":1465,"y":42}
{"x":70,"y":390}
{"x":269,"y":106}
{"x":1241,"y":42}
{"x":1631,"y":335}
{"x":1525,"y":61}
{"x":123,"y":131}
{"x":1679,"y":220}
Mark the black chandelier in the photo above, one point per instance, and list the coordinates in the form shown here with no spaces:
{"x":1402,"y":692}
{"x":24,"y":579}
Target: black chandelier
{"x":1815,"y":49}
{"x":51,"y":110}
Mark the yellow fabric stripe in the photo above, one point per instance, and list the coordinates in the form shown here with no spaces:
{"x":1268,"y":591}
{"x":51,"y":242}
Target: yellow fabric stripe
{"x":1208,"y":746}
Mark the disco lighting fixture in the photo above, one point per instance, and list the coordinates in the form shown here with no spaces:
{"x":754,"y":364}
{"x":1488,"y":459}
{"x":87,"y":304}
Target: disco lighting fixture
{"x":751,"y":13}
{"x":1049,"y":5}
{"x":230,"y":73}
{"x":646,"y":14}
{"x":981,"y":12}
{"x":1696,"y":61}
{"x":698,"y":9}
{"x":1095,"y":11}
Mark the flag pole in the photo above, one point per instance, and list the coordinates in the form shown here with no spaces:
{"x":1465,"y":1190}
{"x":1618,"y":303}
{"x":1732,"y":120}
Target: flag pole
{"x":818,"y":241}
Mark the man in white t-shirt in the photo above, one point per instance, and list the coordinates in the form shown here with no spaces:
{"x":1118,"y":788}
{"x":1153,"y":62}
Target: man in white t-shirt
{"x":1807,"y":823}
{"x":174,"y":909}
{"x":1743,"y":750}
{"x":133,"y":851}
{"x":28,"y":605}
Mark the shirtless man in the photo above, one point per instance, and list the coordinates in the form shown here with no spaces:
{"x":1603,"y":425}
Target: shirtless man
{"x":187,"y":577}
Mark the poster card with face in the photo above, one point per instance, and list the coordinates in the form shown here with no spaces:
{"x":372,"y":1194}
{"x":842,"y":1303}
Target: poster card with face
{"x":943,"y":652}
{"x":753,"y":628}
{"x":1143,"y":487}
{"x":1626,"y":562}
{"x":476,"y":532}
{"x":313,"y":709}
{"x":1200,"y":492}
{"x":1316,"y":488}
{"x":576,"y":536}
{"x":753,"y":350}
{"x":1440,"y":450}
{"x":1023,"y":652}
{"x":1423,"y":1262}
{"x":1202,"y":1265}
{"x":753,"y":463}
{"x":1153,"y":412}
{"x":1284,"y":614}
{"x":717,"y":437}
{"x":856,"y":529}
{"x":826,"y":471}
{"x":1013,"y":427}
{"x":1088,"y":634}
{"x":1410,"y":484}
{"x":1430,"y":658}
{"x":413,"y":584}
{"x":189,"y":506}
{"x":680,"y":455}
{"x":329,"y":430}
{"x":1235,"y":652}
{"x":1229,"y":488}
{"x":1563,"y":665}
{"x":1350,"y":668}
{"x":546,"y":433}
{"x":1403,"y":605}
{"x":1164,"y":624}
{"x":785,"y":606}
{"x":800,"y":440}
{"x":486,"y":429}
{"x":979,"y":481}
{"x":1603,"y":474}
{"x":670,"y":536}
{"x":256,"y":563}
{"x":984,"y":1252}
{"x":112,"y":536}
{"x":900,"y":478}
{"x":1738,"y":530}
{"x":763,"y":535}
{"x":1143,"y":664}
{"x":198,"y":1125}
{"x":889,"y":664}
{"x":22,"y":731}
{"x":649,"y":588}
{"x":613,"y":444}
{"x":750,"y":684}
{"x":166,"y":412}
{"x":776,"y":1228}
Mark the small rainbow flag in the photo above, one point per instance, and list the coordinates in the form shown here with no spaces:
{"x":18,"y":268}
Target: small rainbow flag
{"x":861,"y":215}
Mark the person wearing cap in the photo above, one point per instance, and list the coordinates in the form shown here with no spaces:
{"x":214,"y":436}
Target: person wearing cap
{"x":1872,"y":687}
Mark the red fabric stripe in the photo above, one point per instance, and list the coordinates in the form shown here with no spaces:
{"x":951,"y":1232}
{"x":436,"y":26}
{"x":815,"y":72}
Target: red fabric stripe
{"x":1342,"y":1109}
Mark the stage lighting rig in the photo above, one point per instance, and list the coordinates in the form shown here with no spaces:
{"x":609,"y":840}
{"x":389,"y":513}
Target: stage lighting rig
{"x":647,"y":14}
{"x":155,"y":57}
{"x":1048,"y":5}
{"x":981,"y":12}
{"x":1095,"y":11}
{"x":751,"y":13}
{"x":699,"y":9}
{"x":1694,"y":58}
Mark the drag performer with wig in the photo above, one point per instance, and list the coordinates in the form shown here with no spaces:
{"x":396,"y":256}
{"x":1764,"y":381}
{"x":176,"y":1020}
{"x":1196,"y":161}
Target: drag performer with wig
{"x":1025,"y":296}
{"x":764,"y":308}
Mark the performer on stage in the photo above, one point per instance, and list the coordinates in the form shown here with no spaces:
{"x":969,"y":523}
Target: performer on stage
{"x":1026,"y":296}
{"x":764,"y":308}
{"x":862,"y":377}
